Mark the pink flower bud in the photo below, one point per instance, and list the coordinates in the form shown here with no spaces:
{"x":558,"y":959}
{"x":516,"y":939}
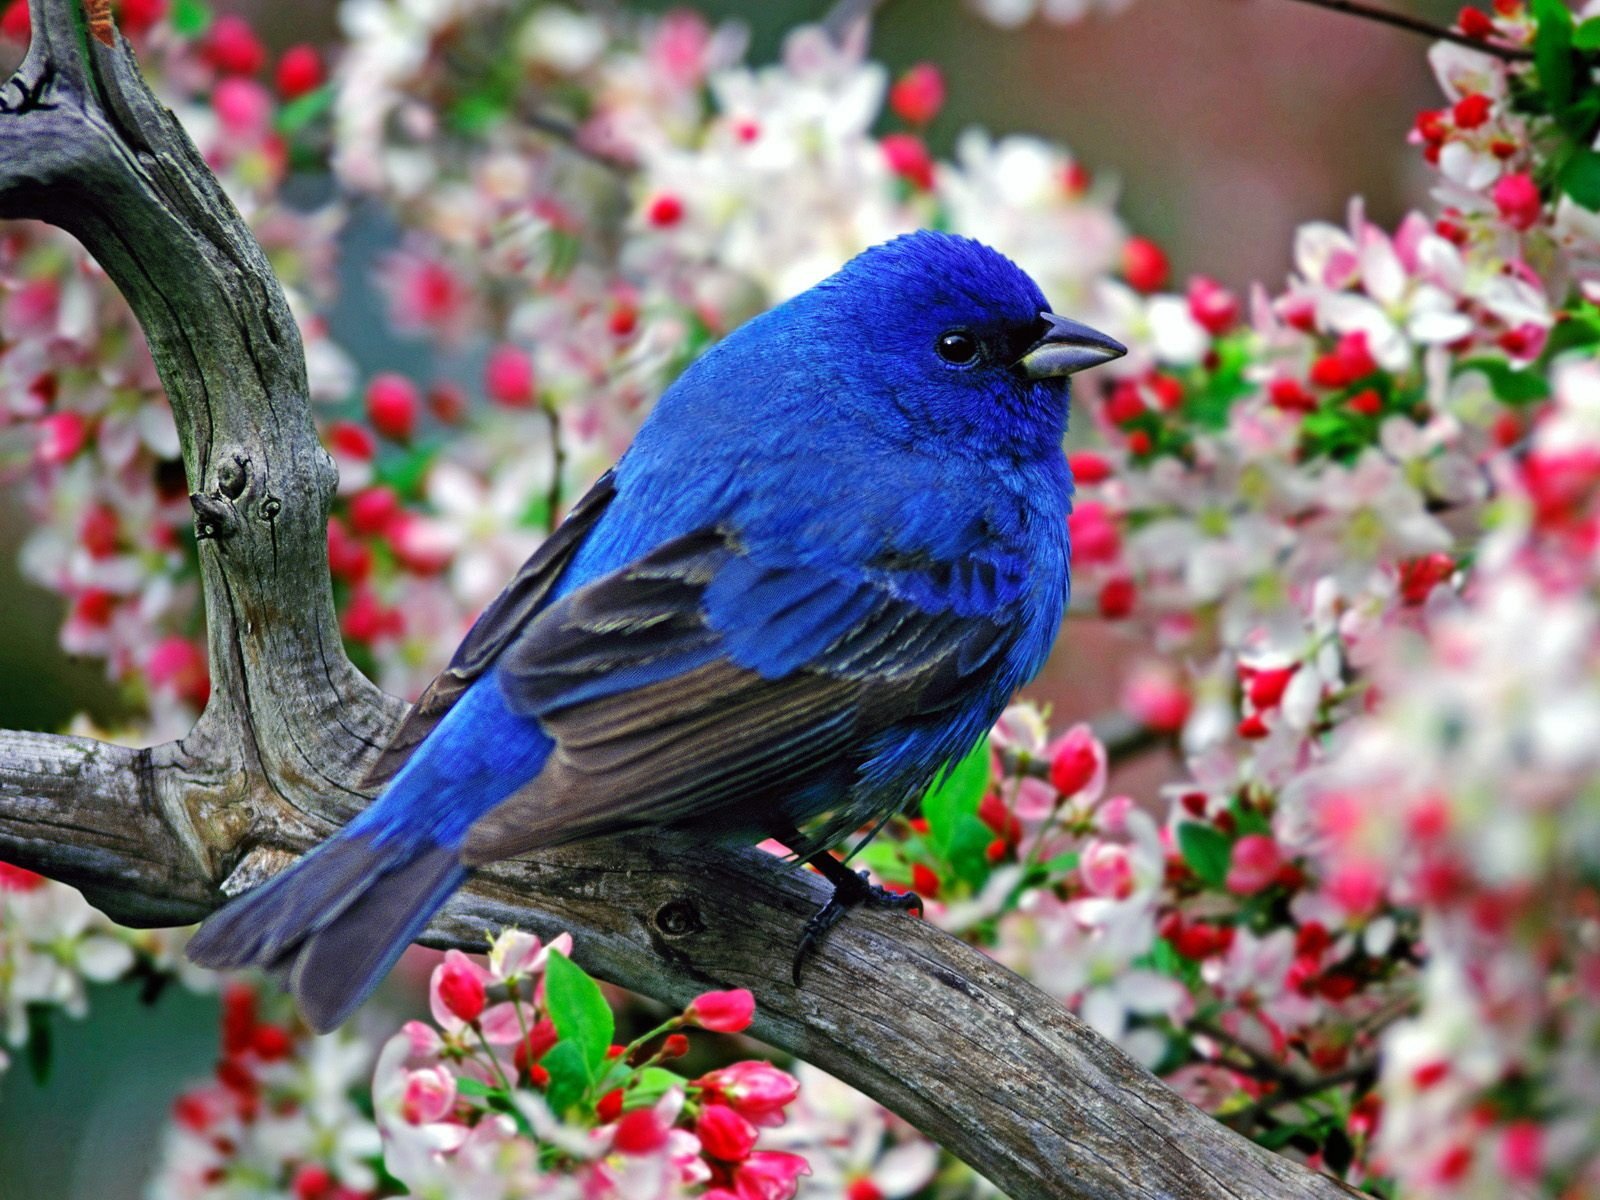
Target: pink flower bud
{"x":1093,"y":533}
{"x":755,"y":1090}
{"x":61,"y":436}
{"x":723,"y":1012}
{"x":243,"y":106}
{"x":1253,"y":865}
{"x":1212,"y":306}
{"x":1521,"y":1152}
{"x":232,"y":47}
{"x":1517,"y":197}
{"x":908,"y":158}
{"x":724,"y":1133}
{"x":508,"y":377}
{"x":770,"y":1173}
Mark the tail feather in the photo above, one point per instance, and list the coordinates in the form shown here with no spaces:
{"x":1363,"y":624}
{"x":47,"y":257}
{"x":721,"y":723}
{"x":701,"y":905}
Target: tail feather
{"x":335,"y":922}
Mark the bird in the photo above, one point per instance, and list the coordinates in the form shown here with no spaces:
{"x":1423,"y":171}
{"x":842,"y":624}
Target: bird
{"x":833,"y":551}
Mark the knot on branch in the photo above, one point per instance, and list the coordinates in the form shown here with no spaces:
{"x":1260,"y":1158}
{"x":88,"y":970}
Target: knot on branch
{"x":214,"y":517}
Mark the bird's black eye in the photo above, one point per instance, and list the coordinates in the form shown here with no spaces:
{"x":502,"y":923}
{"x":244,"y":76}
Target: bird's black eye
{"x":957,"y":347}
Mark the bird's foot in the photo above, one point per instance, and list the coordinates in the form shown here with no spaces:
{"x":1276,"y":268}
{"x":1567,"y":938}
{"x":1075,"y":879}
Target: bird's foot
{"x":850,"y":888}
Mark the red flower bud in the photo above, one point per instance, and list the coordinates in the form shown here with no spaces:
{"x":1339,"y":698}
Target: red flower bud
{"x":909,"y":159}
{"x":393,"y":406}
{"x":1144,"y":265}
{"x":724,"y":1134}
{"x":299,"y":72}
{"x":1471,"y":111}
{"x":1266,"y":687}
{"x":918,"y":95}
{"x":1290,"y":396}
{"x":1474,"y":22}
{"x":609,"y":1107}
{"x":641,"y":1131}
{"x":460,"y":986}
{"x":1117,"y":598}
{"x":723,"y":1012}
{"x":664,"y":211}
{"x":271,"y":1043}
{"x":373,"y":510}
{"x":1088,"y":467}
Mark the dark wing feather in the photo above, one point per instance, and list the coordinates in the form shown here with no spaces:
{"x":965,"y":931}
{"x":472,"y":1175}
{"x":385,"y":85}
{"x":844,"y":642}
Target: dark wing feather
{"x":492,"y":631}
{"x":655,"y":719}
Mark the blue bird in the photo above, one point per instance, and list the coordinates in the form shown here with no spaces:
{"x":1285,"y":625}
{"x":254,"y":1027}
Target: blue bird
{"x":832,"y":553}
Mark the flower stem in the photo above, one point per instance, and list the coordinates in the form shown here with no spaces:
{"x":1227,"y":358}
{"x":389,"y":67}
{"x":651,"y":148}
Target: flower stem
{"x":1369,"y":12}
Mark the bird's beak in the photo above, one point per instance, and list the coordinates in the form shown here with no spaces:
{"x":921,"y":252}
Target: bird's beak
{"x":1067,"y":347}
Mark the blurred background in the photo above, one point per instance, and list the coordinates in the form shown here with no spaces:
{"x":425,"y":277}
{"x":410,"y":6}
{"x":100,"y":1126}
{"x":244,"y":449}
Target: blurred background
{"x":1222,"y":124}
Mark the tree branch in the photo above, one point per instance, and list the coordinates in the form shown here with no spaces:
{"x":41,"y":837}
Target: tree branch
{"x":979,"y":1059}
{"x":1384,"y":16}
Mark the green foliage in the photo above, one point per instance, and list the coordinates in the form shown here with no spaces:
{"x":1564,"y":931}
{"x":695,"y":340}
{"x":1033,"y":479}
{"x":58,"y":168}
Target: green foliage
{"x":958,"y":838}
{"x":580,"y":1014}
{"x":1206,"y":850}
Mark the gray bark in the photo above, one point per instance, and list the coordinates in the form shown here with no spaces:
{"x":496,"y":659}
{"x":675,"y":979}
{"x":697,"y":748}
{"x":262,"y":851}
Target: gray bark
{"x":979,"y":1059}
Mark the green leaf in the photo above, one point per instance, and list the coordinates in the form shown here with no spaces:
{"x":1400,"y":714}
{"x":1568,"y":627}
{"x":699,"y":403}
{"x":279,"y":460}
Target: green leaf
{"x":407,"y":472}
{"x":951,"y":808}
{"x":469,"y":1086}
{"x":303,"y":110}
{"x":569,"y":1073}
{"x":580,"y":1013}
{"x":1552,"y":51}
{"x":1580,"y":178}
{"x":649,"y":1085}
{"x":1206,"y":851}
{"x":191,"y":18}
{"x":1587,"y":35}
{"x":1508,"y":384}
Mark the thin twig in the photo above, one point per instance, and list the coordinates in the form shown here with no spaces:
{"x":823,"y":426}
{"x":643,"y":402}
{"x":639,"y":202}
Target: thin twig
{"x":843,"y":16}
{"x":1412,"y":24}
{"x":1124,"y":737}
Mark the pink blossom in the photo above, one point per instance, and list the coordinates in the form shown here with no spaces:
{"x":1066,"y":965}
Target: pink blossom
{"x":1253,"y":864}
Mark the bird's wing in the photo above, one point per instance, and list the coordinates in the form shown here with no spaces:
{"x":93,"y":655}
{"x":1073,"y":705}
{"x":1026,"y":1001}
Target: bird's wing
{"x":695,"y":677}
{"x":493,"y":630}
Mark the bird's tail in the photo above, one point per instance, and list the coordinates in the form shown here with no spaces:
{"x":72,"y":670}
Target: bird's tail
{"x":335,"y":922}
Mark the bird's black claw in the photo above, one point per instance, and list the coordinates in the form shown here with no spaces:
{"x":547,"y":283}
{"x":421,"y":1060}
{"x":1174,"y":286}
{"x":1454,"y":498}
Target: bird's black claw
{"x":849,"y":890}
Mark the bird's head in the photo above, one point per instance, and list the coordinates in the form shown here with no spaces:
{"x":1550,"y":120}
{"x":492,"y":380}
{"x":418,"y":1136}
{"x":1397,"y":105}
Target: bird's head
{"x":955,"y":340}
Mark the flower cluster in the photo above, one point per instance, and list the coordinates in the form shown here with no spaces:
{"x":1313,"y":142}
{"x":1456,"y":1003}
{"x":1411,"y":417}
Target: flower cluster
{"x":1350,"y":522}
{"x":283,"y":1115}
{"x":52,"y":946}
{"x":527,"y":1095}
